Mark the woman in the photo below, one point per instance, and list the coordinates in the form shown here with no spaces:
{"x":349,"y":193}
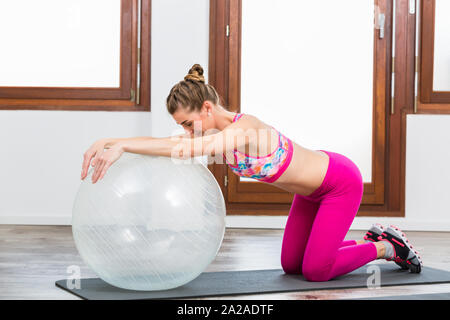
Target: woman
{"x":328,"y":187}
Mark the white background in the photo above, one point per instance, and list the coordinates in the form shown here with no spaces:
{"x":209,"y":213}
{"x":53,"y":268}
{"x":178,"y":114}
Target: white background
{"x":77,"y":47}
{"x":308,"y":71}
{"x":441,"y":74}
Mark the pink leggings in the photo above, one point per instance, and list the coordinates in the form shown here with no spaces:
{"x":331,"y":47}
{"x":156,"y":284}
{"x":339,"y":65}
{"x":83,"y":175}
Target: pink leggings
{"x":313,"y":240}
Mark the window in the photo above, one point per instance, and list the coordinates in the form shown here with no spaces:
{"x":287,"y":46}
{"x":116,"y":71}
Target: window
{"x":318,"y":67}
{"x":435,"y":55}
{"x":75,"y":55}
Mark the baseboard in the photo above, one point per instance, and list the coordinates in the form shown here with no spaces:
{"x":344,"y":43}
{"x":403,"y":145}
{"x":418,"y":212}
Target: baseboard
{"x":63,"y":220}
{"x":259,"y":222}
{"x":360,"y":223}
{"x":406,"y":224}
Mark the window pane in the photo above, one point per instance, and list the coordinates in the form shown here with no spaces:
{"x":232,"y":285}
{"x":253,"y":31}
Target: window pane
{"x":60,"y":43}
{"x":441,"y":74}
{"x":307,"y":69}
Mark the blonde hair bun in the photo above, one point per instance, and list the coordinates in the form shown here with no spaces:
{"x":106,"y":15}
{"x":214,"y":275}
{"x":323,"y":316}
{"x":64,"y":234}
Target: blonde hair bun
{"x":195,"y":74}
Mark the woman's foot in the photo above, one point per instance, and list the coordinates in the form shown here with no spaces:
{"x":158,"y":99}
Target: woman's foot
{"x":404,"y":252}
{"x":374,"y":233}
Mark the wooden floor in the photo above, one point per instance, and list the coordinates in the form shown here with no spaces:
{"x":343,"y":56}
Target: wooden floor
{"x":32,"y":258}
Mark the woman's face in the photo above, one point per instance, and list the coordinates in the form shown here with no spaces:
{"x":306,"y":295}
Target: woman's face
{"x":194,"y":121}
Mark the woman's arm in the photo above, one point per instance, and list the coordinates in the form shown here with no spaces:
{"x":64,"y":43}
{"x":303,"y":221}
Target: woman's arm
{"x":150,"y":146}
{"x":111,"y":141}
{"x":96,"y":152}
{"x":232,"y":137}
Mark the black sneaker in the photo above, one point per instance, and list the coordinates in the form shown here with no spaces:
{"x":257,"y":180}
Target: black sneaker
{"x":374,"y":233}
{"x":404,"y":251}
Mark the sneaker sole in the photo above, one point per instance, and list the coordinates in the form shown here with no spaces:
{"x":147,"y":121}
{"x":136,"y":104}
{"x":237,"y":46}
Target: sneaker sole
{"x":376,"y":228}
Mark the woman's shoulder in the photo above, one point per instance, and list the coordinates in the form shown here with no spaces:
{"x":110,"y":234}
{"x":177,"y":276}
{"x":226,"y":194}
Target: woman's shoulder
{"x":249,"y":118}
{"x":256,"y":122}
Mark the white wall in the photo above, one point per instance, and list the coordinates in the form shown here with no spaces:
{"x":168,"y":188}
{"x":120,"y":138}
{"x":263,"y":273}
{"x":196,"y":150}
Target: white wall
{"x":41,"y":151}
{"x":428,"y":171}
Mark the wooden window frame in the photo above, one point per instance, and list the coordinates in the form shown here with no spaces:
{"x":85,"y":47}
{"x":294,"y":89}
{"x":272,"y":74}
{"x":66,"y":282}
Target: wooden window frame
{"x":430,"y":101}
{"x":222,"y":68}
{"x":128,"y":97}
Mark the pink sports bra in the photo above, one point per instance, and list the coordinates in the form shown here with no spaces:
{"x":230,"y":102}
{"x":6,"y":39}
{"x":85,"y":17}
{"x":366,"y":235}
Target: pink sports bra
{"x":268,"y":168}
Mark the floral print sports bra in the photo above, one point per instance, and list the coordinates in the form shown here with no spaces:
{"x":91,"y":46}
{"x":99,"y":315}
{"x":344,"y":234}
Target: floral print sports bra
{"x":268,"y":168}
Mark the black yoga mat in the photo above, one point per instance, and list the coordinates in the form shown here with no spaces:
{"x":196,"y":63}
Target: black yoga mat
{"x":210,"y":284}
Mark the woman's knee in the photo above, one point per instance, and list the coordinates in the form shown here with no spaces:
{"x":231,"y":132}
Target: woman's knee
{"x":291,"y":270}
{"x":290,"y":266}
{"x":314,"y":271}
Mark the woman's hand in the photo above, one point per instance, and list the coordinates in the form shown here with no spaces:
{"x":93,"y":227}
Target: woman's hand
{"x":106,"y":160}
{"x":95,"y":151}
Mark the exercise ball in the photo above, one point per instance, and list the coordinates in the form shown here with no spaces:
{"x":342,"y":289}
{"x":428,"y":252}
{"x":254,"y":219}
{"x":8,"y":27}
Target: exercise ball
{"x":151,"y":223}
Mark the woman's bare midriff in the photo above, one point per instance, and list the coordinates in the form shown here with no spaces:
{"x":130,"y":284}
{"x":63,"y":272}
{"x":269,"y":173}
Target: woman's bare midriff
{"x":306,"y":171}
